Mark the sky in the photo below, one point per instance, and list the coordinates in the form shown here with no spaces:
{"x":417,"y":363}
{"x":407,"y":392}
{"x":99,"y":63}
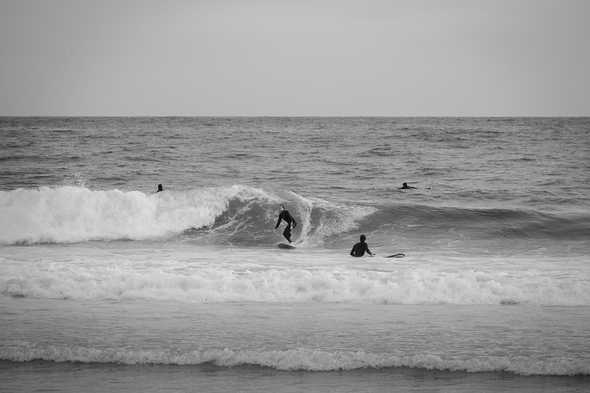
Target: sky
{"x":295,"y":58}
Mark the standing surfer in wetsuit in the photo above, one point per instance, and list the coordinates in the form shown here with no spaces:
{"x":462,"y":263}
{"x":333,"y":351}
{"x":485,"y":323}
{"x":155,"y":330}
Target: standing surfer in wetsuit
{"x":285,"y":215}
{"x":359,"y":249}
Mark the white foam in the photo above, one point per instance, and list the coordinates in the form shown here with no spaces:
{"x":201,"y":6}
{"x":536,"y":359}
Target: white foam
{"x":296,"y":359}
{"x":335,"y":219}
{"x":284,"y":281}
{"x":73,"y":214}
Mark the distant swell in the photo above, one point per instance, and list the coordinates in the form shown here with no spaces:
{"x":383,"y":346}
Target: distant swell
{"x":480,"y":223}
{"x":297,"y":359}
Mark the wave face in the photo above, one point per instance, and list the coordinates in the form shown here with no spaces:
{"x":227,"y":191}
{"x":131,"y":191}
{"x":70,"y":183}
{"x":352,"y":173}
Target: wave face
{"x":246,"y":216}
{"x":236,"y":214}
{"x":481,"y":223}
{"x":297,"y":359}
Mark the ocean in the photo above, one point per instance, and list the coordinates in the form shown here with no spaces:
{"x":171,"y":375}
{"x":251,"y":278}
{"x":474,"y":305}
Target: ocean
{"x":106,"y":285}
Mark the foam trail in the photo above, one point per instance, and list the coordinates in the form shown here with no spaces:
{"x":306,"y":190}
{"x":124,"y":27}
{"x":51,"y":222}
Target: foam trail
{"x":295,"y":359}
{"x":257,"y":284}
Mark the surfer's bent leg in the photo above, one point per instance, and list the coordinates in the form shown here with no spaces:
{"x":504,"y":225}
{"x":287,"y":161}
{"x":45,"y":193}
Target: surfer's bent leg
{"x":287,"y":233}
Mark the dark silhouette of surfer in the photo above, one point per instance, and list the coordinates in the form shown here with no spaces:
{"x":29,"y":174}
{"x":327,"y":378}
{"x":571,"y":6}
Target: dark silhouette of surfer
{"x":291,"y":223}
{"x":359,"y":249}
{"x":406,"y":187}
{"x":160,"y":188}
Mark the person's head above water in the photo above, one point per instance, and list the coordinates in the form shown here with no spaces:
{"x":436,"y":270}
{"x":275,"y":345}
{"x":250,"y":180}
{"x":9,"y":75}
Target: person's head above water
{"x":363,"y":238}
{"x":160,"y":188}
{"x":405,"y":185}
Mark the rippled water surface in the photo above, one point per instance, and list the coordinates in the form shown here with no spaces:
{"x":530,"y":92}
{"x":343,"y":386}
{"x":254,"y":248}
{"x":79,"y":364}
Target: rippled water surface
{"x":100,"y":275}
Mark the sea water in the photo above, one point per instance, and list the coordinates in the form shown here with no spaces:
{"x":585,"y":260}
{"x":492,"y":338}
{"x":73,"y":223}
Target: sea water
{"x":106,"y":285}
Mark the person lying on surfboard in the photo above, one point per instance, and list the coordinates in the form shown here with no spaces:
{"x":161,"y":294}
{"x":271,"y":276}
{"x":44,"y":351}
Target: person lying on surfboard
{"x":286,"y":216}
{"x":406,"y":187}
{"x":358,"y":250}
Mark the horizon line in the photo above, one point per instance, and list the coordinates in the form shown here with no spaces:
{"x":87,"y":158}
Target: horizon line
{"x":297,"y":116}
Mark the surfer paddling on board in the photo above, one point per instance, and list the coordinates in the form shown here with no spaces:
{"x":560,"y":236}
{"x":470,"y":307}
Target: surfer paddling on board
{"x":406,"y":187}
{"x":286,"y":216}
{"x":358,"y":250}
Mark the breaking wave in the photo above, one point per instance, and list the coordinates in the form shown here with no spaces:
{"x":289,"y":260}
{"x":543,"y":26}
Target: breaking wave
{"x":297,"y":359}
{"x":246,"y":215}
{"x":225,"y":214}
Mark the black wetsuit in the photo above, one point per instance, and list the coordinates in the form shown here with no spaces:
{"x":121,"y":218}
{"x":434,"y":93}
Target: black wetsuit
{"x":359,"y":249}
{"x":284,"y":215}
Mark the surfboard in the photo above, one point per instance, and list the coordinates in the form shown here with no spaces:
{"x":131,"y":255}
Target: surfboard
{"x":398,"y":255}
{"x":286,"y":246}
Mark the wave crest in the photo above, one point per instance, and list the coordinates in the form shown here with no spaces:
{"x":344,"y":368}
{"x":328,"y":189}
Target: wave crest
{"x":73,"y":214}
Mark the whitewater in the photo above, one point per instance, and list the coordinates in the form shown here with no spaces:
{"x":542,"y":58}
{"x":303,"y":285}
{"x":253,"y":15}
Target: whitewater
{"x":101,"y":274}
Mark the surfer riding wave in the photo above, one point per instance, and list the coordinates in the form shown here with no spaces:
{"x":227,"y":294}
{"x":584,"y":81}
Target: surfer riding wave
{"x":291,"y":223}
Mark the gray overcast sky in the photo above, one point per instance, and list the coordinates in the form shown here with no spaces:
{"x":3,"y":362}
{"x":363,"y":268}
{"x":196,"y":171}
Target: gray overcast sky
{"x":275,"y":57}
